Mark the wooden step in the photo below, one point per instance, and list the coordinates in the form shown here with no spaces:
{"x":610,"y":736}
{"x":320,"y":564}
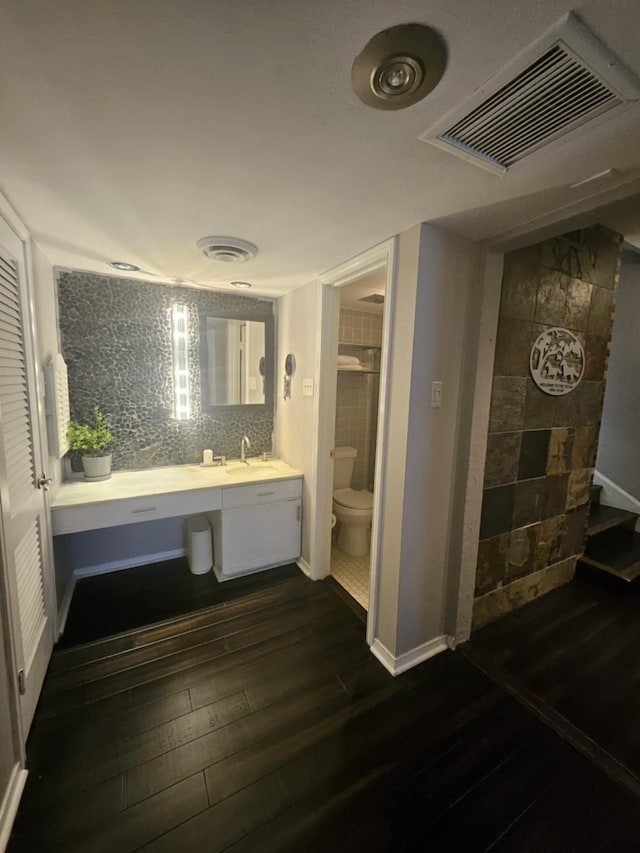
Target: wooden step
{"x":617,"y":552}
{"x":605,"y":517}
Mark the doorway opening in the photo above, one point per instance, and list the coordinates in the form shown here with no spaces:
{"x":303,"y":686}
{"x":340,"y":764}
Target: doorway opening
{"x":356,"y":427}
{"x":362,"y":338}
{"x":613,"y":534}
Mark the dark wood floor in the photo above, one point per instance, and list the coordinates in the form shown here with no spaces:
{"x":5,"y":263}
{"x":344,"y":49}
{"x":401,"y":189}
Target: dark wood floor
{"x":119,"y":601}
{"x":265,"y":724}
{"x":576,"y":649}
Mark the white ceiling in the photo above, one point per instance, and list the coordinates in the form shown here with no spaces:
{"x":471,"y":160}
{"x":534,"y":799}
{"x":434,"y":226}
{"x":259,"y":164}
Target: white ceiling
{"x":131,"y":129}
{"x":352,"y":294}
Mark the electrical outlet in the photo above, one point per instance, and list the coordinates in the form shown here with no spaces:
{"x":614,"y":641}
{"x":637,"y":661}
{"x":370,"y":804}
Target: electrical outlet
{"x":436,"y":395}
{"x":307,"y":387}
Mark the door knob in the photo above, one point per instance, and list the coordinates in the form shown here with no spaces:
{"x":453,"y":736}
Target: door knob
{"x":44,"y":482}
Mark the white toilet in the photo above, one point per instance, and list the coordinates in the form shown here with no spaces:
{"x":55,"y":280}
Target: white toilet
{"x":352,"y":508}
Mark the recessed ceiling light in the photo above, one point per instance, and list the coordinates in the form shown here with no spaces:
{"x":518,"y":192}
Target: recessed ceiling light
{"x":399,"y":66}
{"x":241,"y":284}
{"x":124,"y":266}
{"x":229,"y":250}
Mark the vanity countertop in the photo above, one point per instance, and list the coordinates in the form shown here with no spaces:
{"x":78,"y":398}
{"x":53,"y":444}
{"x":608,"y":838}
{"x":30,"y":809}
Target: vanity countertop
{"x":124,"y":485}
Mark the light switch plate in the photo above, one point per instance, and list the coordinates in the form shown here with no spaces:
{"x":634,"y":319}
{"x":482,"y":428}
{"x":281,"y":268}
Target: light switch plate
{"x":436,"y":395}
{"x":307,"y":387}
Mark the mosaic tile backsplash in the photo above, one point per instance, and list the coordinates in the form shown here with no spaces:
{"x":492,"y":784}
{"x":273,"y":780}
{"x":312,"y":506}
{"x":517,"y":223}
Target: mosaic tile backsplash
{"x":116,"y":339}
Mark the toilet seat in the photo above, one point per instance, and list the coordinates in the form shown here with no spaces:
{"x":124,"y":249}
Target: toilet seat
{"x":354,"y":498}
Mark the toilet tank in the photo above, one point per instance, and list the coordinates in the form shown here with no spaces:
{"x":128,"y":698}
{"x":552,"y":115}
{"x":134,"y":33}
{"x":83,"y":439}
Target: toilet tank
{"x":344,"y":458}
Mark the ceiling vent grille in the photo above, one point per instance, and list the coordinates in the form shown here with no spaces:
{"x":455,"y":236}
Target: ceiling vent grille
{"x":548,"y":98}
{"x":560,"y":88}
{"x":375,"y":298}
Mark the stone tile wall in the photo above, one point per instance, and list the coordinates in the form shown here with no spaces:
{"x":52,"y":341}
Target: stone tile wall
{"x":541,"y":449}
{"x":116,"y":340}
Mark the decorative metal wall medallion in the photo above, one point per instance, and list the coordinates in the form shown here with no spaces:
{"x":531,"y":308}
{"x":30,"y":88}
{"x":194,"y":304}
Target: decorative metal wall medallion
{"x":557,"y":361}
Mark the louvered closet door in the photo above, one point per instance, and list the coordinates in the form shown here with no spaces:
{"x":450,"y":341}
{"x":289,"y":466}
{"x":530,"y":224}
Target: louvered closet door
{"x":24,"y":546}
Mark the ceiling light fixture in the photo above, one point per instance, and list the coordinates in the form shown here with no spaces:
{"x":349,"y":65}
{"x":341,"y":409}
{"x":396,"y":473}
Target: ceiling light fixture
{"x":399,"y":66}
{"x":123,"y":266}
{"x":229,"y":250}
{"x":241,"y":284}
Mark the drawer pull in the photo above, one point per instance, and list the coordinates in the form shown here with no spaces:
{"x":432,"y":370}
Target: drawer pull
{"x":146,"y":509}
{"x":264,"y":494}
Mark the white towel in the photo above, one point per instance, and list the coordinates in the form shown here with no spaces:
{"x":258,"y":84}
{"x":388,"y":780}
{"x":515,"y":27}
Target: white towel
{"x":353,"y":367}
{"x":348,"y":359}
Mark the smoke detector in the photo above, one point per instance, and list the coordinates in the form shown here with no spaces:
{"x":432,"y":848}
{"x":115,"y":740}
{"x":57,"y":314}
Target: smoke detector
{"x":229,"y":250}
{"x":399,"y":66}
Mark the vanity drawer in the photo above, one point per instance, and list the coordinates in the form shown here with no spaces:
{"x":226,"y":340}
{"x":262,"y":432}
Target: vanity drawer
{"x":260,"y":493}
{"x":95,"y":516}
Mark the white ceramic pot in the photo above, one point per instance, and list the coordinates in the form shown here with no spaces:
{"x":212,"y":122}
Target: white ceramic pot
{"x":97,"y":467}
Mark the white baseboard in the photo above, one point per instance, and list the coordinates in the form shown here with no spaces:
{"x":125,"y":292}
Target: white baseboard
{"x":10,"y":803}
{"x":304,"y":567}
{"x":396,"y":665}
{"x":613,"y":495}
{"x":130,"y":563}
{"x":222,"y":578}
{"x":63,"y":611}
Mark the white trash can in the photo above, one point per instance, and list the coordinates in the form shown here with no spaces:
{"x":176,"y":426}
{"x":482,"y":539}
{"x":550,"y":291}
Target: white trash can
{"x":199,"y":550}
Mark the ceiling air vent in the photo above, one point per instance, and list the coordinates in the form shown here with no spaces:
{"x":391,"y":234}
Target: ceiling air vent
{"x":375,"y":298}
{"x":230,"y":250}
{"x":565,"y":80}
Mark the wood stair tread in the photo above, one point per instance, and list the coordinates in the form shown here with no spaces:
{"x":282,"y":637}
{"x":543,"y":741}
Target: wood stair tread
{"x":605,"y":517}
{"x":617,"y":552}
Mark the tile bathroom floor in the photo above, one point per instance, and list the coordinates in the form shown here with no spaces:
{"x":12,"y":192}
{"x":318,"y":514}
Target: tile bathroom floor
{"x":352,"y":573}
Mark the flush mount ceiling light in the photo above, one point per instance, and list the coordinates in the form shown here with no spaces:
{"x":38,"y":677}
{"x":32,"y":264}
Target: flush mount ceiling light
{"x":399,"y":66}
{"x":124,"y":266}
{"x":241,"y":284}
{"x":229,"y":250}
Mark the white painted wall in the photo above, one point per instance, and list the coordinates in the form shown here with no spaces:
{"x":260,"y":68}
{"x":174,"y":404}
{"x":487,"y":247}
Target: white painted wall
{"x":298,"y":332}
{"x":399,"y":394}
{"x":47,"y":341}
{"x":618,"y":446}
{"x":436,"y":272}
{"x":483,"y":308}
{"x":126,"y":545}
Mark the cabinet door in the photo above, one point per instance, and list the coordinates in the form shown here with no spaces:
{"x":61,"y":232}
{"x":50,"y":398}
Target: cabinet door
{"x":257,"y":537}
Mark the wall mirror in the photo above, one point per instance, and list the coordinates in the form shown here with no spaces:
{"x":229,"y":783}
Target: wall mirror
{"x":236,"y":361}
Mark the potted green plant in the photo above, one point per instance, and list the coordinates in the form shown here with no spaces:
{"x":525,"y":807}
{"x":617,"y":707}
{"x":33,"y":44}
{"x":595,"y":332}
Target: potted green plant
{"x":90,"y":439}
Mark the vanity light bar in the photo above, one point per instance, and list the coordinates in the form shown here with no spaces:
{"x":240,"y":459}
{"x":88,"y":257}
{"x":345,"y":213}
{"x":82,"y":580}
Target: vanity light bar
{"x":181,"y":399}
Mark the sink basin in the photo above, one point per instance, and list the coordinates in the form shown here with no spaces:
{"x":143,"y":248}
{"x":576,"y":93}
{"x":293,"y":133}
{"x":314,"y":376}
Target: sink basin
{"x":248,"y":471}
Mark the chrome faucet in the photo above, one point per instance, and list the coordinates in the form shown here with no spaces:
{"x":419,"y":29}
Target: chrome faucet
{"x":245,"y":445}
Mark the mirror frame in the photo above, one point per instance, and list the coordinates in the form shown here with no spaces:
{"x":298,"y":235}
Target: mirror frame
{"x":207,"y":406}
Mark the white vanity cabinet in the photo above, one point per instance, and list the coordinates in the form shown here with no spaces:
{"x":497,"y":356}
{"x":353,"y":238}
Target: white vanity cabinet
{"x":254,"y":510}
{"x":258,"y":527}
